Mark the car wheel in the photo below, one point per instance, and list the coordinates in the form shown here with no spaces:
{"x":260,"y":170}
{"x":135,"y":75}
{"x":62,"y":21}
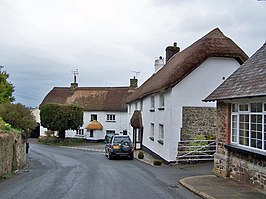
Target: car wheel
{"x":109,"y":156}
{"x":125,"y":146}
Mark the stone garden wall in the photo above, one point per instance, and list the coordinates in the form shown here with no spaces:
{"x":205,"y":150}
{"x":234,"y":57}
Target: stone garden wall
{"x":12,"y":152}
{"x":198,"y":121}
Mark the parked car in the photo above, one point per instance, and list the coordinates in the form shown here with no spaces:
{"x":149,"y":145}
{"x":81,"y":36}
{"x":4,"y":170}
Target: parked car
{"x":119,"y":145}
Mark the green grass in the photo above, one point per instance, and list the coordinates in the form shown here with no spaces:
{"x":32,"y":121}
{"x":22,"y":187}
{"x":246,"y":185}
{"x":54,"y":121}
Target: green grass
{"x":55,"y":141}
{"x":7,"y":176}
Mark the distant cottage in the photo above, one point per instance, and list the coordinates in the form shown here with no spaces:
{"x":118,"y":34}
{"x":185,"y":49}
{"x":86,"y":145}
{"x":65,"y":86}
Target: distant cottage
{"x":105,"y":109}
{"x":156,"y":108}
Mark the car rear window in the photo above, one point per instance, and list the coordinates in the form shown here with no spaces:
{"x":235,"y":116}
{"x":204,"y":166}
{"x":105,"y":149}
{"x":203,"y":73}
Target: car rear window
{"x":121,"y":139}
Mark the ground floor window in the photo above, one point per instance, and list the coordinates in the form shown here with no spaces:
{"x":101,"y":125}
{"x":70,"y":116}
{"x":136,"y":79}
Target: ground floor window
{"x":161,"y":133}
{"x":248,"y":124}
{"x":80,"y":132}
{"x":110,"y":132}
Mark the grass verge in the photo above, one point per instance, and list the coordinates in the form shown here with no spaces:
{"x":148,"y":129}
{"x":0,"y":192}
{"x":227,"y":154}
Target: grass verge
{"x":55,"y":141}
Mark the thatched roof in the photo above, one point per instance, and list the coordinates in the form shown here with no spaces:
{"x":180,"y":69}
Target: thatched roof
{"x":136,"y":120}
{"x":214,"y":44}
{"x":94,"y":125}
{"x":90,"y":98}
{"x":249,"y":80}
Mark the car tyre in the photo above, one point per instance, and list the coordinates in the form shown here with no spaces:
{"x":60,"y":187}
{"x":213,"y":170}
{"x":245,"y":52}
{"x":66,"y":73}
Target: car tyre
{"x":109,"y":156}
{"x":125,"y":146}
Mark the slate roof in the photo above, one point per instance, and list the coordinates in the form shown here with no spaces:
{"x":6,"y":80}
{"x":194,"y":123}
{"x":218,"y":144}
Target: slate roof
{"x":249,"y":80}
{"x":90,"y":98}
{"x":214,"y":44}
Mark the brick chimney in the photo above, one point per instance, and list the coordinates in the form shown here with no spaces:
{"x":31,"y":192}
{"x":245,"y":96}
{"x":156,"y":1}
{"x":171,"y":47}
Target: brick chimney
{"x":133,"y":83}
{"x":171,"y":50}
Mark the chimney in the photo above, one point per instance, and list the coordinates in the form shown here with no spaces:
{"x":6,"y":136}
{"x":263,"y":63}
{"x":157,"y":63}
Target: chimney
{"x":133,"y":83}
{"x":74,"y":86}
{"x":158,"y":64}
{"x":171,"y":50}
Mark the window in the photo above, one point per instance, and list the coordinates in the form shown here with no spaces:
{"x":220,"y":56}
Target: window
{"x":110,"y":132}
{"x":152,"y":132}
{"x":161,"y":133}
{"x":129,"y":108}
{"x":248,"y":125}
{"x":110,"y":117}
{"x":93,"y":117}
{"x":161,"y":100}
{"x":80,"y":132}
{"x":152,"y":102}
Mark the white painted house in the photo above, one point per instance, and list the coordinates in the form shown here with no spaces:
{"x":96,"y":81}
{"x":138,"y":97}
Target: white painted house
{"x":105,"y":110}
{"x":155,"y":108}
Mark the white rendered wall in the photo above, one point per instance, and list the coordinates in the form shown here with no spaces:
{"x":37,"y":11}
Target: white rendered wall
{"x":189,"y":92}
{"x":118,"y":125}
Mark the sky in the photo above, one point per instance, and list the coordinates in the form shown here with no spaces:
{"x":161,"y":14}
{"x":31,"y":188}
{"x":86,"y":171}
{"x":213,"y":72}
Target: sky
{"x":110,"y":41}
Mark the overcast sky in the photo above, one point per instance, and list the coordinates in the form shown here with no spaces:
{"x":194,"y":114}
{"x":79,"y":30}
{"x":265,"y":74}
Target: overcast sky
{"x":42,"y":41}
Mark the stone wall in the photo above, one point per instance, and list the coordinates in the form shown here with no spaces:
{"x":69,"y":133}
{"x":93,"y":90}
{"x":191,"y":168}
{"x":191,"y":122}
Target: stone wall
{"x":198,"y":121}
{"x":249,"y":169}
{"x":12,"y":152}
{"x":234,"y":162}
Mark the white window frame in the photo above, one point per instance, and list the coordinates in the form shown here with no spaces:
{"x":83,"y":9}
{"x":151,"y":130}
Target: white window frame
{"x":80,"y":132}
{"x":110,"y":117}
{"x":152,"y":102}
{"x":235,"y":129}
{"x":152,"y":131}
{"x":161,"y":132}
{"x":162,"y":100}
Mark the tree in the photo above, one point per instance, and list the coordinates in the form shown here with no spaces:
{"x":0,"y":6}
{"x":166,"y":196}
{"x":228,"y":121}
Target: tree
{"x":58,"y":117}
{"x":18,"y":116}
{"x":6,"y":88}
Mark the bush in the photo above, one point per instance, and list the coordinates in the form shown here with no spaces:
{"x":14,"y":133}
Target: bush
{"x":19,"y":117}
{"x":141,"y":155}
{"x":60,"y":142}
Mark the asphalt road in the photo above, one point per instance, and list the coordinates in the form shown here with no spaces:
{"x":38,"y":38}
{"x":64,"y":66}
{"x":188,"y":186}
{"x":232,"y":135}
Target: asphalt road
{"x":55,"y":172}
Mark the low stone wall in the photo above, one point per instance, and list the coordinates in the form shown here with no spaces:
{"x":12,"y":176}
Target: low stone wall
{"x":198,"y":121}
{"x":12,"y":152}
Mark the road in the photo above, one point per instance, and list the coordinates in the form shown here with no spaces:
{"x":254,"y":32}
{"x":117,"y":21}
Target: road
{"x":56,"y":172}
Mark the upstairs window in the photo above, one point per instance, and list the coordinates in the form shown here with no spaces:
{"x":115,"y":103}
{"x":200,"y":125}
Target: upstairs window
{"x":161,"y":100}
{"x":93,"y":117}
{"x":110,"y":117}
{"x":152,"y":102}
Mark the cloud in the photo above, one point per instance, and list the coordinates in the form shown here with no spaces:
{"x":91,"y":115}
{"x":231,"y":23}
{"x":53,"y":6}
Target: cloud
{"x":41,"y":42}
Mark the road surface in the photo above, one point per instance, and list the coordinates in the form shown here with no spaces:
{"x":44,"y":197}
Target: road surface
{"x":56,"y":172}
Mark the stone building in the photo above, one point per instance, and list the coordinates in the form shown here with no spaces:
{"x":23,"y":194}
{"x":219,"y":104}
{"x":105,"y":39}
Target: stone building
{"x":241,"y":134}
